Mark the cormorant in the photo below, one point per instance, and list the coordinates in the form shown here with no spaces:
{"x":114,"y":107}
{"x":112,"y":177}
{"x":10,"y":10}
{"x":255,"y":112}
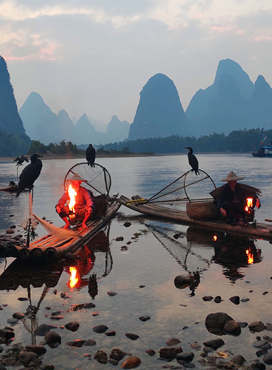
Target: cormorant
{"x":29,"y":174}
{"x":193,"y":162}
{"x":20,"y":160}
{"x":90,"y":155}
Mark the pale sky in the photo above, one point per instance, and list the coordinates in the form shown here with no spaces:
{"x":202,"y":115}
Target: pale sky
{"x":94,"y":56}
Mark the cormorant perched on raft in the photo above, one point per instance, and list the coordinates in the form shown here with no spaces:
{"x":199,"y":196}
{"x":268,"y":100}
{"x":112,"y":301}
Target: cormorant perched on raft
{"x":90,"y":155}
{"x":20,"y":160}
{"x":193,"y":162}
{"x":29,"y":174}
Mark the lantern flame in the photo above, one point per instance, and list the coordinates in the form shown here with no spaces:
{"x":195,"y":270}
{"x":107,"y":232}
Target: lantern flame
{"x":214,"y":237}
{"x":250,"y":257}
{"x":74,"y":277}
{"x":249,"y":204}
{"x":72,"y":195}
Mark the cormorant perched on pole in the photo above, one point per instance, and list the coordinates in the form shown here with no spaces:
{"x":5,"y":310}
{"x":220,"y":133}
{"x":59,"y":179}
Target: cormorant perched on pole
{"x":193,"y":162}
{"x":29,"y":174}
{"x":90,"y":155}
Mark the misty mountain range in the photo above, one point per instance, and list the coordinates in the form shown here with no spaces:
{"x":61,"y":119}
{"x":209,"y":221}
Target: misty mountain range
{"x":232,"y":102}
{"x":47,"y":127}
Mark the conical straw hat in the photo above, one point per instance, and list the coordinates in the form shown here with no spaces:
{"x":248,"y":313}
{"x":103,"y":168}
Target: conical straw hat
{"x":233,"y":177}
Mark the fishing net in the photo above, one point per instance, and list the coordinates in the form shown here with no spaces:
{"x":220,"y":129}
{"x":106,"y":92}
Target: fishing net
{"x":191,"y":258}
{"x":97,"y":178}
{"x":187,"y":187}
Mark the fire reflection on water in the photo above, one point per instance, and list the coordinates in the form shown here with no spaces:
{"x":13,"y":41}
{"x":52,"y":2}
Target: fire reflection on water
{"x":74,"y":280}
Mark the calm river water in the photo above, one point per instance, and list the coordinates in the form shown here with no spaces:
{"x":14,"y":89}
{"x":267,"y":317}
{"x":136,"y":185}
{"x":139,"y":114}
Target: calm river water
{"x":143,"y":273}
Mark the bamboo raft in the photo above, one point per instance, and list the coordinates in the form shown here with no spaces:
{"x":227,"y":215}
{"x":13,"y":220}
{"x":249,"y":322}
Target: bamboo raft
{"x":50,"y":247}
{"x":257,"y":230}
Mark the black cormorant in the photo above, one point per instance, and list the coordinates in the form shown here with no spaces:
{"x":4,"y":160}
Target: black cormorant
{"x":20,"y":160}
{"x":29,"y":174}
{"x":193,"y":162}
{"x":90,"y":155}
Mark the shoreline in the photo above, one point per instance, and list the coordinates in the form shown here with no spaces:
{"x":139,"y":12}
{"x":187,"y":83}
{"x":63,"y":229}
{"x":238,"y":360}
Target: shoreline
{"x":123,"y":155}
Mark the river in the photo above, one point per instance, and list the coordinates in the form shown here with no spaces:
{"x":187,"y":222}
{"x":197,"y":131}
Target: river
{"x":141,"y":269}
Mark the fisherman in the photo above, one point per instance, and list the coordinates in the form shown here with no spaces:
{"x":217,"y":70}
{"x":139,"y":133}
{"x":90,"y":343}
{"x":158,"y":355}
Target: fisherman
{"x":231,"y":199}
{"x":76,"y":204}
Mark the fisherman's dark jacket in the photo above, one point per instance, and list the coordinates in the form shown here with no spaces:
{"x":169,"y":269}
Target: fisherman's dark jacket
{"x":229,"y":196}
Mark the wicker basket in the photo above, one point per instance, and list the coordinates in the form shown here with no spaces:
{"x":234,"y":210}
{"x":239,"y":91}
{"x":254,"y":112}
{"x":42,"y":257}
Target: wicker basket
{"x":202,"y":210}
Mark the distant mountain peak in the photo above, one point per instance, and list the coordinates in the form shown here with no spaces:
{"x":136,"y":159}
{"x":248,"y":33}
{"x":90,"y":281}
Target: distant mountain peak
{"x":35,"y":98}
{"x":63,"y":114}
{"x":261,"y":83}
{"x":159,"y":112}
{"x":230,"y":73}
{"x":13,"y":139}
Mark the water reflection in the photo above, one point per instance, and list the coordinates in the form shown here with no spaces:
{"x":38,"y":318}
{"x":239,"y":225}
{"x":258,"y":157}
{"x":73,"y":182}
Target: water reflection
{"x":85,"y":268}
{"x":230,"y":251}
{"x":90,"y":264}
{"x":197,"y":249}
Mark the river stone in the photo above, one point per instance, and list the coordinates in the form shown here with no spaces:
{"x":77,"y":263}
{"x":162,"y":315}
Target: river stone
{"x":6,"y":333}
{"x":131,"y":363}
{"x":90,"y":342}
{"x":150,"y":352}
{"x":256,"y":326}
{"x":235,"y":299}
{"x":111,"y":294}
{"x":169,"y":353}
{"x":259,"y":343}
{"x":111,"y":333}
{"x":172,"y":342}
{"x":232,"y":327}
{"x":22,"y":299}
{"x":182,"y":281}
{"x":38,"y":349}
{"x":132,"y":336}
{"x":113,"y":362}
{"x":73,"y":325}
{"x":117,"y":354}
{"x":100,"y":329}
{"x":218,"y":299}
{"x":207,"y":298}
{"x":119,"y":238}
{"x":26,"y":357}
{"x":76,"y":343}
{"x":214,"y":343}
{"x":256,"y":365}
{"x":57,"y":317}
{"x":238,"y":360}
{"x":18,"y":315}
{"x":268,"y":358}
{"x":144,"y":318}
{"x":215,"y":322}
{"x":185,"y":357}
{"x":52,"y":338}
{"x":101,"y":357}
{"x":43,"y":329}
{"x":77,"y":307}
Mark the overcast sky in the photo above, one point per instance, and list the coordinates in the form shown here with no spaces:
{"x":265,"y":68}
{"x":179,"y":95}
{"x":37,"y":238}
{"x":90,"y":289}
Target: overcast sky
{"x":94,"y":56}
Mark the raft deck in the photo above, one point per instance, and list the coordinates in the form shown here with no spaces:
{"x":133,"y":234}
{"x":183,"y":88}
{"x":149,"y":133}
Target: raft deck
{"x":258,"y":230}
{"x":50,"y":246}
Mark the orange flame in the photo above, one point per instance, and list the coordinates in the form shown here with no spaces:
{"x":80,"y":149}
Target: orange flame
{"x":250,"y":257}
{"x":249,"y":204}
{"x":72,"y":195}
{"x":74,"y":277}
{"x":214,"y":237}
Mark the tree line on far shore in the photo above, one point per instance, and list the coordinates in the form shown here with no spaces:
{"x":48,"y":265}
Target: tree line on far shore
{"x":242,"y":141}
